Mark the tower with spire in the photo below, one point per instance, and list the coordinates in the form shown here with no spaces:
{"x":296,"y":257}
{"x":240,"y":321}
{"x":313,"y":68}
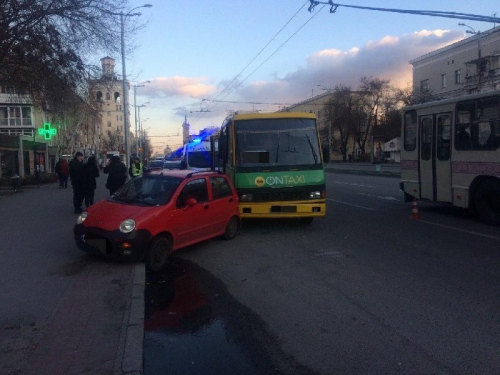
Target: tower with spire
{"x":185,"y":130}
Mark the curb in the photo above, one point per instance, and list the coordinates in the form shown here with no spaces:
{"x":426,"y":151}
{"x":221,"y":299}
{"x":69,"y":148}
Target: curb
{"x":364,"y":172}
{"x":129,"y":360}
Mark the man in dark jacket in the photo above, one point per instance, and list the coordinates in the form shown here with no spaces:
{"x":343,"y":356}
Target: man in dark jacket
{"x":76,"y":175}
{"x":91,"y":172}
{"x":117,"y":174}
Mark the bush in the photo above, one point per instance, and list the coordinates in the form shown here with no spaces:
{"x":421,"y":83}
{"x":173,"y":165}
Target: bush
{"x":45,"y":178}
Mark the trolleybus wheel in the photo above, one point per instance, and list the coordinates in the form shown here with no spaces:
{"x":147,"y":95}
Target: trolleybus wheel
{"x":487,"y":201}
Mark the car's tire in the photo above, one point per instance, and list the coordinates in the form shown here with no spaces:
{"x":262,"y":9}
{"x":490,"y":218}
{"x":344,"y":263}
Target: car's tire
{"x":157,"y":255}
{"x":487,"y":201}
{"x":306,"y":220}
{"x":232,"y":228}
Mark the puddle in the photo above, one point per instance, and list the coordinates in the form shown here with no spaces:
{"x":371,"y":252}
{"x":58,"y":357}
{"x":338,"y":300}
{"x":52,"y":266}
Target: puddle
{"x":182,"y":331}
{"x":194,"y":326}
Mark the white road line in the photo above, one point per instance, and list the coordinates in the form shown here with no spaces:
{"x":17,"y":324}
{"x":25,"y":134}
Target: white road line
{"x":353,"y":205}
{"x":350,"y":184}
{"x":460,"y":230}
{"x":381,"y":197}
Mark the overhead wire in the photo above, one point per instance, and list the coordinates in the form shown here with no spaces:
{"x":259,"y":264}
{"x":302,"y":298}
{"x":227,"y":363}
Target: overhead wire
{"x":228,"y":86}
{"x":433,"y":13}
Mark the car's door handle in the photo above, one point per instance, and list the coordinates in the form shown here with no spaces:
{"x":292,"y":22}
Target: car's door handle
{"x":206,"y":207}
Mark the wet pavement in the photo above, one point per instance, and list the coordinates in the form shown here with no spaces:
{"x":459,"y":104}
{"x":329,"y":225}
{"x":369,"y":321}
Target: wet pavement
{"x":193,"y":326}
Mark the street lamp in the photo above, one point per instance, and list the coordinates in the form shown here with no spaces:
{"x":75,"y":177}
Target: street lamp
{"x":479,"y":69}
{"x":124,"y":78}
{"x":142,"y":84}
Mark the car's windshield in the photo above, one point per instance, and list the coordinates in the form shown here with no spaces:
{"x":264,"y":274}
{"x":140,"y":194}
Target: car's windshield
{"x":152,"y":190}
{"x":277,"y":142}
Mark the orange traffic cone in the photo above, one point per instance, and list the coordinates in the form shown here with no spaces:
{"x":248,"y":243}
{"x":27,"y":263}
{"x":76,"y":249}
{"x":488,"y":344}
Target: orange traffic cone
{"x":414,"y":211}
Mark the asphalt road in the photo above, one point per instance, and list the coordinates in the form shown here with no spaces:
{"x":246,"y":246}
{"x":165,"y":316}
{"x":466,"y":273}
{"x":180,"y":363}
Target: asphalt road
{"x":365,"y":290}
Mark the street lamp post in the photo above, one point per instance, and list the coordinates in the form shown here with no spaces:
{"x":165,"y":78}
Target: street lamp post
{"x":142,"y":84}
{"x":479,"y":69}
{"x":126,"y":122}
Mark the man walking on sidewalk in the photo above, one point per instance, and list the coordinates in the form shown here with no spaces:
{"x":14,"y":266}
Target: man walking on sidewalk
{"x":76,"y":175}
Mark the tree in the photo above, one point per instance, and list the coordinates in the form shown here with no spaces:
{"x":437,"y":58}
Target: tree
{"x":343,"y":114}
{"x":43,"y":46}
{"x":113,"y":142}
{"x":371,"y":94}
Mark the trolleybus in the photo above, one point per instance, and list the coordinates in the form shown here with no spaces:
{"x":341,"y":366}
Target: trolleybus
{"x":275,"y":163}
{"x":451,"y":153}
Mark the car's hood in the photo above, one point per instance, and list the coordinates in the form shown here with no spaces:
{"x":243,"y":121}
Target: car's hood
{"x":109,"y":215}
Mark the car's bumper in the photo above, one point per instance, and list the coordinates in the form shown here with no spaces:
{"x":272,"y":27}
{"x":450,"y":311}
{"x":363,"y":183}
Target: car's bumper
{"x":113,"y":245}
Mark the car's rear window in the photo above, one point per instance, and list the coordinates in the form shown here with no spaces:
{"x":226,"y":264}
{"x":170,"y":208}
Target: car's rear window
{"x":156,"y":164}
{"x":151,"y":190}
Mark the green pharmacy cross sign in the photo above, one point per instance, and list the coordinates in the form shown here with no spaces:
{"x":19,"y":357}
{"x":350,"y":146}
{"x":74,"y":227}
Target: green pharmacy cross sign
{"x":47,"y":131}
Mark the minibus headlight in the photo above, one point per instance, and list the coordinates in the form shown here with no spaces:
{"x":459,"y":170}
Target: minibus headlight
{"x":315,"y":195}
{"x":127,"y":226}
{"x":246,"y":198}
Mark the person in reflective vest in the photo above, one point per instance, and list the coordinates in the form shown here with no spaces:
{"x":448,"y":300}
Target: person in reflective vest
{"x":135,"y":168}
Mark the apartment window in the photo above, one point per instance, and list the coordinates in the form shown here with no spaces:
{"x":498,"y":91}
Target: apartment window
{"x":117,"y":117}
{"x":108,"y":113}
{"x":109,"y":124}
{"x":424,"y":85}
{"x":15,"y":116}
{"x":443,"y":80}
{"x":458,"y":76}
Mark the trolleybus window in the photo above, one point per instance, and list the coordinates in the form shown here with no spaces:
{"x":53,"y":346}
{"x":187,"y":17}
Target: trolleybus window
{"x":426,"y":149}
{"x":478,"y":126}
{"x":444,"y":137}
{"x":410,"y":131}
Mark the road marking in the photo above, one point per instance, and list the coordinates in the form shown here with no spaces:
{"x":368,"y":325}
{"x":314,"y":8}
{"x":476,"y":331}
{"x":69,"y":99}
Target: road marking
{"x":381,"y":197}
{"x":350,"y":184}
{"x":353,"y":205}
{"x":460,"y":230}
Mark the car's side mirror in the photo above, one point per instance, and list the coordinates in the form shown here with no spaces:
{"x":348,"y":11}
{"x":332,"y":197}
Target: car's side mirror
{"x":191,"y":202}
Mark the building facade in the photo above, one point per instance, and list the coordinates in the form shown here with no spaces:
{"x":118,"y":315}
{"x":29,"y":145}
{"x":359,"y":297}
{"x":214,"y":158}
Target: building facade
{"x":468,"y":66}
{"x":106,"y":94}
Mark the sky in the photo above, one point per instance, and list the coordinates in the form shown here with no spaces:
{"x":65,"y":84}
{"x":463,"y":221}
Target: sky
{"x":206,"y":58}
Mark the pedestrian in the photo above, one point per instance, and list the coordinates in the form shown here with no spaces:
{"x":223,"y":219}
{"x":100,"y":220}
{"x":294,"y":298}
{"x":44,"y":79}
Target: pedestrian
{"x":62,"y":172}
{"x":117,"y":174}
{"x":77,"y":181}
{"x":90,"y":173}
{"x":136,"y":168}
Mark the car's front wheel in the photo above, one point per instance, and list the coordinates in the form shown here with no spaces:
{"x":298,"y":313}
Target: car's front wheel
{"x":232,"y":228}
{"x":157,"y":254}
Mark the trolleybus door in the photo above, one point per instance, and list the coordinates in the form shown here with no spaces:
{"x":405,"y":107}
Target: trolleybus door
{"x":434,"y":158}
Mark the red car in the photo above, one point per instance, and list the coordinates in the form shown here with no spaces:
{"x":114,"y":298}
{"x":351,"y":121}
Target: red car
{"x":157,"y":213}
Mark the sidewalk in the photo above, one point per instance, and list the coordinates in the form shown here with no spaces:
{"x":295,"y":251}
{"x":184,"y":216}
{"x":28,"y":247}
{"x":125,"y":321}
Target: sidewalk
{"x":382,"y":169}
{"x":62,"y":311}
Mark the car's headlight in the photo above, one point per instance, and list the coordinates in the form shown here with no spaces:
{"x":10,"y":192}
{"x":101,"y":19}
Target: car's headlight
{"x":127,"y":226}
{"x":315,"y":194}
{"x":82,"y":217}
{"x":246,"y":198}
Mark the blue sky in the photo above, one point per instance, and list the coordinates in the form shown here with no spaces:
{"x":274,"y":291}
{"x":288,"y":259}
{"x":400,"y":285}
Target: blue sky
{"x":272,"y":51}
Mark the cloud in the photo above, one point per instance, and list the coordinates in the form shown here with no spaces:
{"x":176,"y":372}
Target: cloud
{"x":387,"y":58}
{"x":191,"y":87}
